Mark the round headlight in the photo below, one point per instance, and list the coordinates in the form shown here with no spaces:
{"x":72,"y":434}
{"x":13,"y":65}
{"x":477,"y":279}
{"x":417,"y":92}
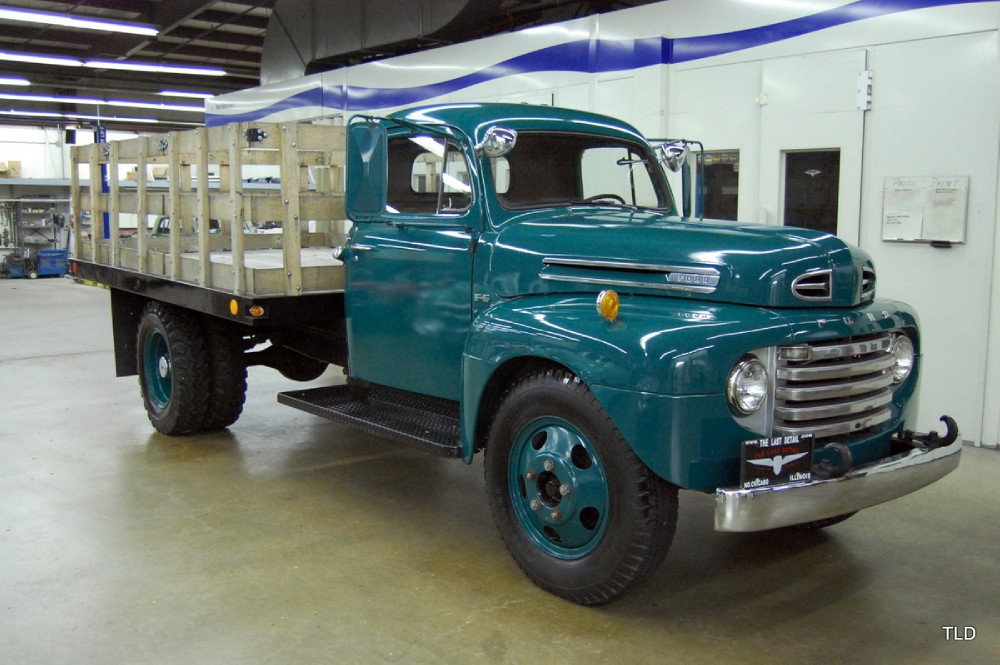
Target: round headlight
{"x":747,"y":386}
{"x":902,"y":351}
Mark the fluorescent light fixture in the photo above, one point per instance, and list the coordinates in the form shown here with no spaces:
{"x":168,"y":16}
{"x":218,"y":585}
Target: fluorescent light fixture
{"x":68,"y":21}
{"x":78,"y":116}
{"x":39,"y":59}
{"x":186,"y":95}
{"x":154,"y":105}
{"x":9,"y":80}
{"x":152,"y":67}
{"x":49,"y":99}
{"x":124,"y":65}
{"x":32,"y":114}
{"x":52,"y":99}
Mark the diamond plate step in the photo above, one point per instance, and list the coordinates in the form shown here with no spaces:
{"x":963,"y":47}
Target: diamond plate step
{"x":429,"y":423}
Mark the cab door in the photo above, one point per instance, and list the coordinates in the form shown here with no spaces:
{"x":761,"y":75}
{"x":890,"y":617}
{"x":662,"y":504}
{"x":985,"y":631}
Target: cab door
{"x":409,"y":270}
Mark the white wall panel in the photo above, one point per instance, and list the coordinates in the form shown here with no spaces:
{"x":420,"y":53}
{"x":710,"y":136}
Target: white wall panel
{"x":991,"y":414}
{"x":716,"y":105}
{"x":809,"y":102}
{"x":575,"y":97}
{"x":934,"y":113}
{"x":615,"y":97}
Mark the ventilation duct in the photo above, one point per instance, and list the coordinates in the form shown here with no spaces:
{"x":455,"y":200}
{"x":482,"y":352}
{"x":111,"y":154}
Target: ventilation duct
{"x":309,"y":36}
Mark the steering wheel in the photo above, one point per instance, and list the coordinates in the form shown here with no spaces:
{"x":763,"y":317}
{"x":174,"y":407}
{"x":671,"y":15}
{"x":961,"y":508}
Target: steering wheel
{"x":615,"y":198}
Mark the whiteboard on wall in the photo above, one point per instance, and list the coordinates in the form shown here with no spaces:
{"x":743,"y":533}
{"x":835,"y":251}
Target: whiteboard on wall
{"x":925,"y":209}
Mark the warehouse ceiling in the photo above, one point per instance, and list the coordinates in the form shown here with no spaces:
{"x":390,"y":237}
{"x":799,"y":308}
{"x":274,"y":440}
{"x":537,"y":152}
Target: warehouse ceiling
{"x":197,"y":33}
{"x":84,"y":85}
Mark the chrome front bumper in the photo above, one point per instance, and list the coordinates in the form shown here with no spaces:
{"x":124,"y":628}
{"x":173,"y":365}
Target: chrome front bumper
{"x":797,"y":503}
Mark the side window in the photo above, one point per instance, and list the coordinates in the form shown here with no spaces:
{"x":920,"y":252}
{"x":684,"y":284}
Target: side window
{"x":427,"y":175}
{"x":721,"y":180}
{"x":501,"y":174}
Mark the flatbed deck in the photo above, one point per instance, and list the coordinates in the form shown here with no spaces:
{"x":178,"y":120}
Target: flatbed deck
{"x":263,"y":269}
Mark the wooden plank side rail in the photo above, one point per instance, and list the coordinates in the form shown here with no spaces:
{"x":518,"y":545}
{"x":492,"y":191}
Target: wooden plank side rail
{"x":200,"y":181}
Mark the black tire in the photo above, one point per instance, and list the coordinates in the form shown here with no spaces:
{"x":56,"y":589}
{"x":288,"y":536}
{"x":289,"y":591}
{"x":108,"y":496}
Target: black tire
{"x":173,"y":368}
{"x":228,"y":390}
{"x":823,"y":523}
{"x":581,"y":514}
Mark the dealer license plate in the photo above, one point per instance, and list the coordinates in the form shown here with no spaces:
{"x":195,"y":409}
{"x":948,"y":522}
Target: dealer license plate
{"x":777,"y":460}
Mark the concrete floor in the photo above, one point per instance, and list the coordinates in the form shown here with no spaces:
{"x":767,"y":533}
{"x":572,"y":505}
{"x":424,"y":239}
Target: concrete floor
{"x":289,"y":539}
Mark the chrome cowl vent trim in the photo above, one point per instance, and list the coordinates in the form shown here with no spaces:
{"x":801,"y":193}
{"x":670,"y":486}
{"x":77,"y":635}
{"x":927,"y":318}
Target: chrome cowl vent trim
{"x":867,"y":283}
{"x":814,"y":286}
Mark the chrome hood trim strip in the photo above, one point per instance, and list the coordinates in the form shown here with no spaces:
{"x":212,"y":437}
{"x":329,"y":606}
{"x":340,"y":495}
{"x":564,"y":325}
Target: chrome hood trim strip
{"x":690,"y":279}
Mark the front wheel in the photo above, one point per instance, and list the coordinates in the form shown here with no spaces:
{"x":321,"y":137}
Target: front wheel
{"x":582,"y":516}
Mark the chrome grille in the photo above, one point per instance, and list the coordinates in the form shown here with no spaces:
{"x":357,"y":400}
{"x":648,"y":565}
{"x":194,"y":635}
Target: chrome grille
{"x":814,"y":286}
{"x":833,"y":388}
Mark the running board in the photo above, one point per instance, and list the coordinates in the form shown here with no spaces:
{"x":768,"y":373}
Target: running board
{"x":429,"y":423}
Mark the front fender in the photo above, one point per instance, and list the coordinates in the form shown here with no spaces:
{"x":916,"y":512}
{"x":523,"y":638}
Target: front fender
{"x":658,"y":346}
{"x":659,"y":370}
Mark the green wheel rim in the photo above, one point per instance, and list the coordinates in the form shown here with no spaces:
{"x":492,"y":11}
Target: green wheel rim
{"x":158,"y":372}
{"x":558,"y":487}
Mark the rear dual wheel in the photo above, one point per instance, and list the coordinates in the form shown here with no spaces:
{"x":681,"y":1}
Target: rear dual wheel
{"x":192,"y":375}
{"x":582,"y":516}
{"x":173,"y":368}
{"x":228,"y":375}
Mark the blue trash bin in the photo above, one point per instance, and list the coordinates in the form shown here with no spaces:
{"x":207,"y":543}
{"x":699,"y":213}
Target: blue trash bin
{"x":52,"y":261}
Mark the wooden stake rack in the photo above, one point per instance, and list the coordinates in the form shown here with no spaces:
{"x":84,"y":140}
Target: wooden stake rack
{"x":199,"y":183}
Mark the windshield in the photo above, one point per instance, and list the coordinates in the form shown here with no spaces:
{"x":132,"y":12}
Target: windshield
{"x":547,"y":169}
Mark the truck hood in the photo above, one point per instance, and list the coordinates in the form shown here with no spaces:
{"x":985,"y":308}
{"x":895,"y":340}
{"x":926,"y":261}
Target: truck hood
{"x":581,"y":250}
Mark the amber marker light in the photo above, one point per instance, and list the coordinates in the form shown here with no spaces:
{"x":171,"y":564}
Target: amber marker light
{"x":607,"y":304}
{"x":234,"y":307}
{"x":256,"y":311}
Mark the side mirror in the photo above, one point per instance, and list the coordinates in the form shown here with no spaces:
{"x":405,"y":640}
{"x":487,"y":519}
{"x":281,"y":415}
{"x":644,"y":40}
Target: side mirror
{"x":367,"y":170}
{"x":497,"y":142}
{"x":673,"y":155}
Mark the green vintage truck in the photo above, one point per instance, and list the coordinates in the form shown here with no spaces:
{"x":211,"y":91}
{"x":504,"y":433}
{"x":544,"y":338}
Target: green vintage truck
{"x":520,"y":281}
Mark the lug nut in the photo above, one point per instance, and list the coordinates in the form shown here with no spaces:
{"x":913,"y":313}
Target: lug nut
{"x":549,"y":465}
{"x":557,"y":515}
{"x":565,"y":489}
{"x":535,"y":504}
{"x":531,"y":475}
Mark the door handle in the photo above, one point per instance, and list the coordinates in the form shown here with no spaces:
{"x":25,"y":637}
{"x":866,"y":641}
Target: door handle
{"x":361,"y":247}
